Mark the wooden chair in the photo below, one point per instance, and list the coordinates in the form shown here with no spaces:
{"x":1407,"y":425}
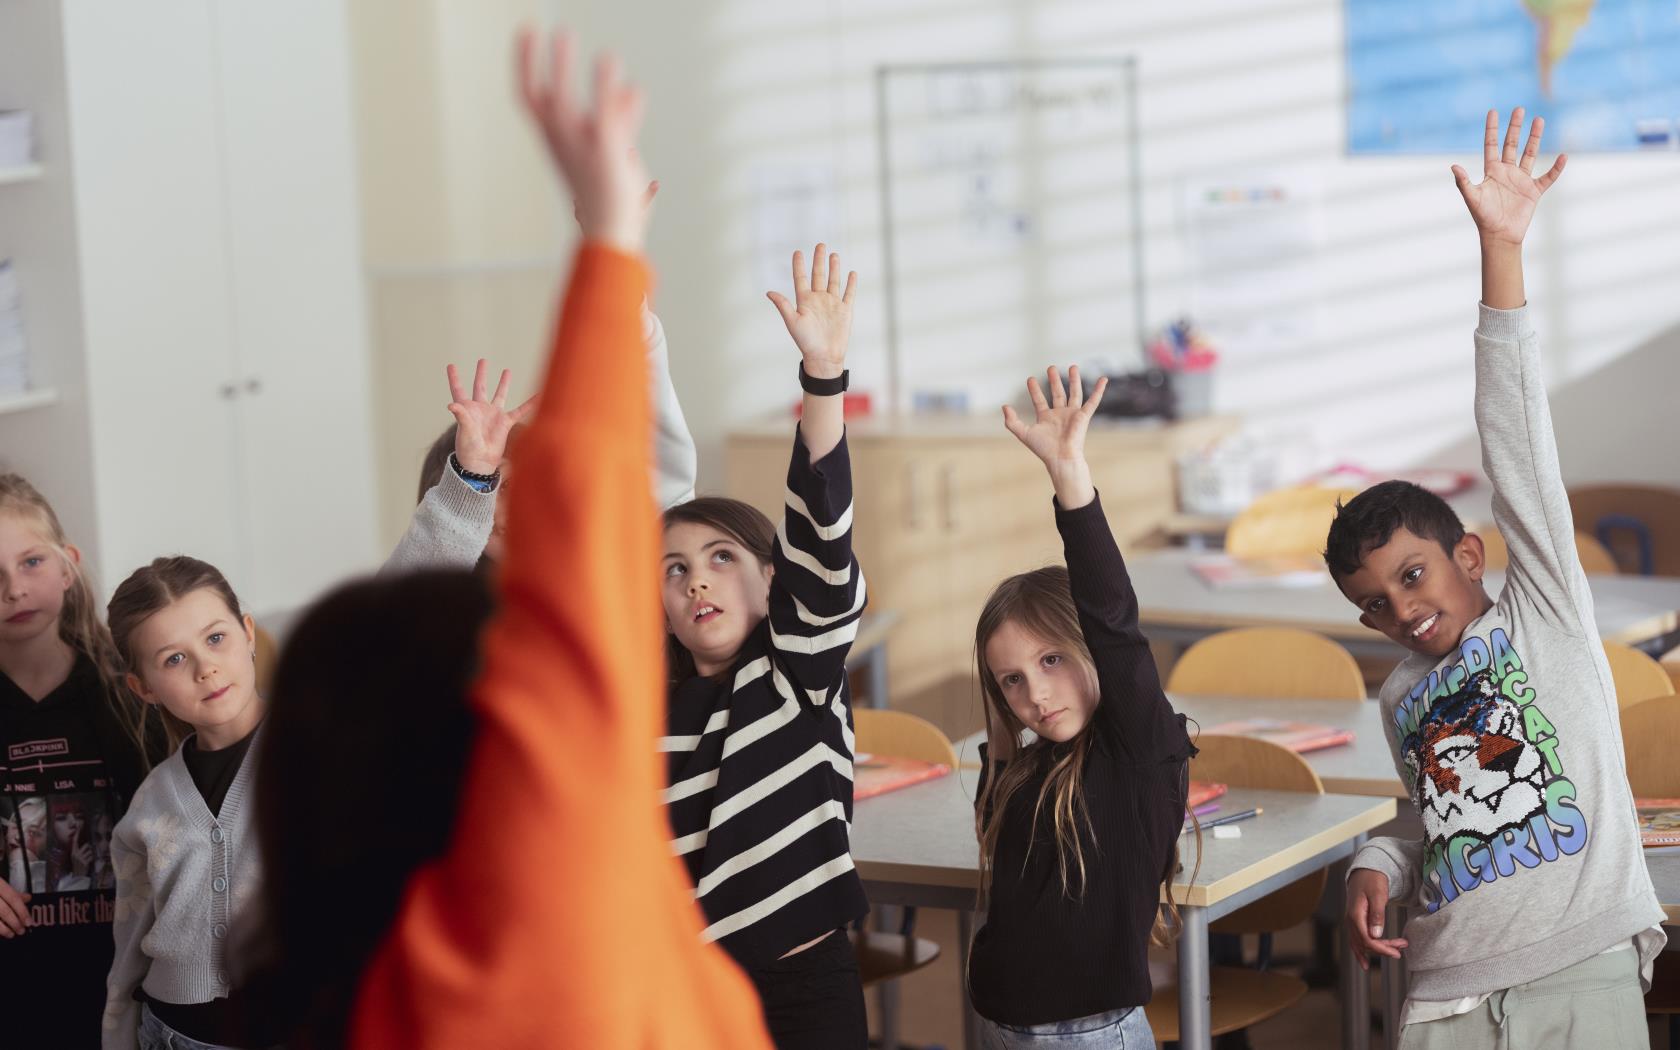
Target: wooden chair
{"x":885,"y":957}
{"x":1595,"y":558}
{"x":1285,"y":523}
{"x":267,"y":655}
{"x":1268,"y":662}
{"x":1650,"y":736}
{"x":1637,"y":676}
{"x":1640,"y":524}
{"x":1671,"y":663}
{"x":1242,"y":997}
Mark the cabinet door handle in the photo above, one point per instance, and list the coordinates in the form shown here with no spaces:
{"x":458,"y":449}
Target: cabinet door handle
{"x":253,"y":385}
{"x":229,"y":391}
{"x":948,"y":495}
{"x":912,"y":497}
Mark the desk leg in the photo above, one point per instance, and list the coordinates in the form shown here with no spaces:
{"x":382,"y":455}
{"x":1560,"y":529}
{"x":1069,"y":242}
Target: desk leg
{"x":1195,"y":1010}
{"x":1356,"y":990}
{"x":1393,"y":981}
{"x":877,"y":672}
{"x":965,"y":933}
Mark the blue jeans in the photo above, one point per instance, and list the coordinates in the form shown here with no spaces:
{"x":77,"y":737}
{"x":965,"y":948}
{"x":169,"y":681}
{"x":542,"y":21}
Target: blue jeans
{"x":1116,"y":1030}
{"x":155,"y":1035}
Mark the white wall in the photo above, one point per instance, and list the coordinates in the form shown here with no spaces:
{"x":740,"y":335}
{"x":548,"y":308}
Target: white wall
{"x":1229,"y":88}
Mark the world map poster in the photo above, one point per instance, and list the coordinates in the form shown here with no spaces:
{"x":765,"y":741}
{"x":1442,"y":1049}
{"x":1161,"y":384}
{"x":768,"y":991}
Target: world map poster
{"x":1423,"y":73}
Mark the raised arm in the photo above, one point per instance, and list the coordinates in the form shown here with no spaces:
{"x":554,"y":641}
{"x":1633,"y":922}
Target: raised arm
{"x":564,"y":857}
{"x":817,"y":593}
{"x":1519,"y":450}
{"x":1133,"y":715}
{"x":676,"y":461}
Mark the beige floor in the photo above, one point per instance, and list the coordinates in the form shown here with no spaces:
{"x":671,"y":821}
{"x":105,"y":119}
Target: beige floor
{"x":932,"y":1018}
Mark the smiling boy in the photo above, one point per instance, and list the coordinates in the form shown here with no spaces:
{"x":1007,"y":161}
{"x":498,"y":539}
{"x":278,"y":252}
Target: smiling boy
{"x":1535,"y":922}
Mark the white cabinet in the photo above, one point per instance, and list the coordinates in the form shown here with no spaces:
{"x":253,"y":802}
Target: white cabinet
{"x":216,"y":250}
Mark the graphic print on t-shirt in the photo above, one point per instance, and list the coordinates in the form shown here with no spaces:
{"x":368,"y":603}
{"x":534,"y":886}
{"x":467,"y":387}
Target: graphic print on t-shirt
{"x":58,"y":813}
{"x":1483,"y":768}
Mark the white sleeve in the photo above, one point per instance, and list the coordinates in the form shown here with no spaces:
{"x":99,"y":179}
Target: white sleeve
{"x":677,"y":464}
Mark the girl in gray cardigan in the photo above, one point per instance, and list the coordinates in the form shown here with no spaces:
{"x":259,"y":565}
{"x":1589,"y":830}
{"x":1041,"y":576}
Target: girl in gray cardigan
{"x":186,"y":861}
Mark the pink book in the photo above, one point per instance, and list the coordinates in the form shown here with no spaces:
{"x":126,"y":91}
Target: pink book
{"x":1296,"y":736}
{"x":1659,"y":821}
{"x":877,"y":774}
{"x":1202,"y":792}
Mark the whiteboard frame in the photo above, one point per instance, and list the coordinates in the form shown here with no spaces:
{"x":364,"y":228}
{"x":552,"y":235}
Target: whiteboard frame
{"x":1126,"y":65}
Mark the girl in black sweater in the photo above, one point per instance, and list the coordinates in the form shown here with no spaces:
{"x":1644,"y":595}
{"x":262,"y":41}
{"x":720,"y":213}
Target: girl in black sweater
{"x":1079,"y":829}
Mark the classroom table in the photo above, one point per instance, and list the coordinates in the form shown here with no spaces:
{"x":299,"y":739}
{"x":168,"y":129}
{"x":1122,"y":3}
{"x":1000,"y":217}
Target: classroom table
{"x":1363,"y":767}
{"x":916,"y":847}
{"x":1176,"y":606}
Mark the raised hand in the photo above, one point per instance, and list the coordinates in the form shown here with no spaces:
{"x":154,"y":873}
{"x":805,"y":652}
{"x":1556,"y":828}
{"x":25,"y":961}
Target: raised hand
{"x":820,"y":317}
{"x":482,"y":423}
{"x":1503,"y":203}
{"x":594,"y":148}
{"x":1057,"y":435}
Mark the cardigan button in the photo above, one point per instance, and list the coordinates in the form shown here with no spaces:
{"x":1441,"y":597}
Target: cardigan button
{"x":219,"y":930}
{"x":215,"y":834}
{"x":219,"y":885}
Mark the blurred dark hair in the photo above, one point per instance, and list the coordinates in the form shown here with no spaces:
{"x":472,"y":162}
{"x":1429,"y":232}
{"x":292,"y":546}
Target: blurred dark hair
{"x":741,"y":522}
{"x":361,"y":764}
{"x":1368,"y":520}
{"x":436,"y":461}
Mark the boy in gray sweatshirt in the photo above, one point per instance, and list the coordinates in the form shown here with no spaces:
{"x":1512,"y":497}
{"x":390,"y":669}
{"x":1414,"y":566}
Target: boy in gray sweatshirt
{"x":1534,"y":921}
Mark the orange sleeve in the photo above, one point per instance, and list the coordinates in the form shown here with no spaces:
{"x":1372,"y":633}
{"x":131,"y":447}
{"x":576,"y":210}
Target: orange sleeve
{"x":559,"y":916}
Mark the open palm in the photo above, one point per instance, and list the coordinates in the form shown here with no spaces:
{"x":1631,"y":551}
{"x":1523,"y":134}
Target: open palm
{"x":820,"y":317}
{"x":482,"y":420}
{"x":1503,"y":203}
{"x":1058,"y":432}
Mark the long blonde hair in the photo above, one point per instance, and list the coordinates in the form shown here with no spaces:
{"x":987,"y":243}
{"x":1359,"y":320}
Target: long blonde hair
{"x":1041,"y":603}
{"x":79,"y":622}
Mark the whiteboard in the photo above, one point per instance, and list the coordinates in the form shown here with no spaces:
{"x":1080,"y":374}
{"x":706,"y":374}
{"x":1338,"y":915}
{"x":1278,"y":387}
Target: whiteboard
{"x":1011,"y":203}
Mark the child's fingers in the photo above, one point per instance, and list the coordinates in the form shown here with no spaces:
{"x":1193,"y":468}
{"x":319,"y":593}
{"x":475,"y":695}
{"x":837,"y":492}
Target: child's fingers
{"x":1545,"y":181}
{"x":652,"y":192}
{"x":1095,"y":399}
{"x":499,"y":398}
{"x":14,"y":911}
{"x":1532,"y":149}
{"x":606,"y":81}
{"x":561,"y":105}
{"x":783,"y":307}
{"x":801,"y":280}
{"x":456,"y":390}
{"x":530,"y":84}
{"x":1076,"y":389}
{"x":834,"y":273}
{"x":1058,"y":393}
{"x":819,"y":267}
{"x":1035,"y":392}
{"x":480,"y":375}
{"x":1512,"y":132}
{"x":851,"y":287}
{"x":518,"y":415}
{"x":1490,"y":141}
{"x":1012,"y":422}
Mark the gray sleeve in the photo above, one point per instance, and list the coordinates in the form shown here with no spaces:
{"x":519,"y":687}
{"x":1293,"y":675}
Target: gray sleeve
{"x":449,"y":529}
{"x":1400,"y":859}
{"x":135,"y":914}
{"x":676,"y":462}
{"x":1519,"y":455}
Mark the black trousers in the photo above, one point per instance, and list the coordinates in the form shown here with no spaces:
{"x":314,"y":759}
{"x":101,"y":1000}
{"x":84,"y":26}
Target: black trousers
{"x":814,"y":1000}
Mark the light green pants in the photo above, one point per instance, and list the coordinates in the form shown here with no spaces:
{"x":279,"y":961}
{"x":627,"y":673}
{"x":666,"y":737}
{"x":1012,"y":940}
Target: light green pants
{"x":1594,"y":1005}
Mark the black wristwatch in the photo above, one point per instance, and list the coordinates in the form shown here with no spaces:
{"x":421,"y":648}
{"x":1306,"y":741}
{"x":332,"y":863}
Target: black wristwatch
{"x":479,"y":482}
{"x":824,"y":387}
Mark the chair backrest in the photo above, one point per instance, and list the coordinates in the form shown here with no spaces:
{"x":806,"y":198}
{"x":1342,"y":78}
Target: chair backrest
{"x":1268,"y":661}
{"x":1595,"y":557}
{"x":1650,"y":737}
{"x":1288,"y":522}
{"x":1637,"y":676}
{"x":1671,"y":663}
{"x":901,"y":735}
{"x":267,"y":655}
{"x":1241,"y":761}
{"x":1627,"y":518}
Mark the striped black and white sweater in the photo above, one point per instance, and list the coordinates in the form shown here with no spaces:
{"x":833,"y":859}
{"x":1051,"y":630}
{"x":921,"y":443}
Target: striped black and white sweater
{"x":759,"y":761}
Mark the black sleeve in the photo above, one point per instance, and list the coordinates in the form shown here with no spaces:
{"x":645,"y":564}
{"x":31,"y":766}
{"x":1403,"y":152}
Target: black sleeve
{"x":1133,"y":720}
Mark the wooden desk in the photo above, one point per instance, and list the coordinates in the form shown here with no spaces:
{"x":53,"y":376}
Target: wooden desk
{"x":1178,"y":607}
{"x":916,"y":846}
{"x":1363,"y":767}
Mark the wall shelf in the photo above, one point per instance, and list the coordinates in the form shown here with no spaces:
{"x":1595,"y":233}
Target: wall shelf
{"x":27,"y":400}
{"x":25,"y":173}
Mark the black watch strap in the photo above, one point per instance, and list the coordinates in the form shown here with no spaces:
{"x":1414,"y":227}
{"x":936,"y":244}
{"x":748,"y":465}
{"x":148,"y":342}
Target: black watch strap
{"x":824,"y":387}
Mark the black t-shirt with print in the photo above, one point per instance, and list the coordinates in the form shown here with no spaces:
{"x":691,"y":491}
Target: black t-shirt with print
{"x":58,"y":805}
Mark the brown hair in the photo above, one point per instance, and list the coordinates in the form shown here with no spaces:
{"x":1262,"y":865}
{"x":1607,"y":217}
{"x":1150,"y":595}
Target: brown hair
{"x":1041,"y":603}
{"x":436,"y":461}
{"x":741,"y":522}
{"x":79,"y":624}
{"x":151,"y":588}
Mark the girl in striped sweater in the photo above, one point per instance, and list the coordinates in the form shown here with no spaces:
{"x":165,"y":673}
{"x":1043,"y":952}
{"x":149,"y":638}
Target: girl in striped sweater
{"x":759,"y":740}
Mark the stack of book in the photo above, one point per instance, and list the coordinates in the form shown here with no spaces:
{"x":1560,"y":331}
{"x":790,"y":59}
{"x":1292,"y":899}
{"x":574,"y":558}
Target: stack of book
{"x":14,"y":352}
{"x":1659,"y":823}
{"x":1298,"y":737}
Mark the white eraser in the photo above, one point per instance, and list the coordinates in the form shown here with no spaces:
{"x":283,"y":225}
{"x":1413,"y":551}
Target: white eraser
{"x":1227,"y":831}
